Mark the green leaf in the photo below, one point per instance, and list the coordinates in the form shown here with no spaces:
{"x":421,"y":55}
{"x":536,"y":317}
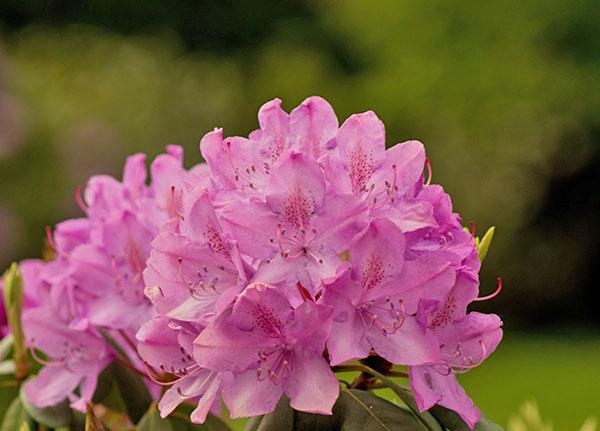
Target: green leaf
{"x":452,"y":421}
{"x":132,"y":390}
{"x":425,"y":417}
{"x":281,"y":419}
{"x":484,"y":244}
{"x":56,"y":416}
{"x":7,"y":394}
{"x":214,"y":423}
{"x":354,"y":410}
{"x":180,"y":420}
{"x":16,"y":415}
{"x":25,"y":427}
{"x":152,"y":421}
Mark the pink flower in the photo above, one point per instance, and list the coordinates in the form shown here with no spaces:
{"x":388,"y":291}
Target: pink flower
{"x":305,"y":235}
{"x":376,"y":295}
{"x":94,"y":287}
{"x":464,"y":340}
{"x":272,"y":349}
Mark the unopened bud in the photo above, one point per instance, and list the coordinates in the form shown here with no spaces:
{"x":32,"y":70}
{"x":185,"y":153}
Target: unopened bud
{"x":13,"y":303}
{"x":483,"y":245}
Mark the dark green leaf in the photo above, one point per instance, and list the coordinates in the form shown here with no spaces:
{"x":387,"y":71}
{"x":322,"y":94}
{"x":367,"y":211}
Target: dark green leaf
{"x":7,"y":394}
{"x":452,"y":421}
{"x":214,"y":423}
{"x":180,"y":420}
{"x":281,"y":419}
{"x":56,"y":416}
{"x":15,"y":416}
{"x":133,"y":391}
{"x":425,"y":417}
{"x":152,"y":421}
{"x":354,"y":411}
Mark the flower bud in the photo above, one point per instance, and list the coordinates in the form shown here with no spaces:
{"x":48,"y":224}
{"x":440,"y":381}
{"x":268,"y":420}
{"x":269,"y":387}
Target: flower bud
{"x":13,"y":302}
{"x":483,"y":245}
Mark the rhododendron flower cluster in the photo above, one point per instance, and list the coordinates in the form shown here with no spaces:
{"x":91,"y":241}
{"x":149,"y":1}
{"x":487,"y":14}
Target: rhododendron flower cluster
{"x":309,"y":246}
{"x":304,"y":246}
{"x":93,"y":289}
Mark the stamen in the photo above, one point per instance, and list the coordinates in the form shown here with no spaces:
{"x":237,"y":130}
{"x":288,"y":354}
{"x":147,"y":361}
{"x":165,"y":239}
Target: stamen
{"x":50,"y":238}
{"x":79,"y":199}
{"x":150,"y":374}
{"x":305,"y":294}
{"x":174,"y":207}
{"x":466,"y":367}
{"x":45,"y":362}
{"x":493,"y":295}
{"x":429,"y":171}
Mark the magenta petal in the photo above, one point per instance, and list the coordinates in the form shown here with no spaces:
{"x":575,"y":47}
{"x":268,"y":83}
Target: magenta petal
{"x":296,"y":190}
{"x":312,"y":386}
{"x":51,"y":386}
{"x":431,"y":387}
{"x":377,"y":254}
{"x":408,"y":345}
{"x":247,"y":396}
{"x":313,"y":125}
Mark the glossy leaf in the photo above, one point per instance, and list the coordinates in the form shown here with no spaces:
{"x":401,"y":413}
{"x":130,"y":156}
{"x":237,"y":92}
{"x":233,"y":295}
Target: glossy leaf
{"x":15,"y":416}
{"x":452,"y":421}
{"x":151,"y":421}
{"x":132,"y":389}
{"x":355,"y":410}
{"x":56,"y":416}
{"x":180,"y":420}
{"x":425,"y":417}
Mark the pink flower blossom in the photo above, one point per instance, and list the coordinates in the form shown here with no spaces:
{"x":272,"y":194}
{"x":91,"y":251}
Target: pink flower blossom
{"x":305,"y":236}
{"x":272,"y":349}
{"x":94,"y":288}
{"x":464,"y":342}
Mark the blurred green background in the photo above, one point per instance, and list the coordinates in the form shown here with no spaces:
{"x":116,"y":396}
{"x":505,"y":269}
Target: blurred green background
{"x":504,"y":94}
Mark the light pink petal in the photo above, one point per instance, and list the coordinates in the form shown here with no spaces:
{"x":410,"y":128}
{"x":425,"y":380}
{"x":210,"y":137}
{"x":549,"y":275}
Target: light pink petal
{"x":424,"y":278}
{"x":408,"y":345}
{"x":377,"y":254}
{"x":470,"y":341}
{"x":312,"y":387}
{"x":260,"y":307}
{"x":430,"y":387}
{"x":51,"y":386}
{"x":347,"y":340}
{"x":134,"y":174}
{"x":313,"y":124}
{"x":111,"y":310}
{"x":296,"y":190}
{"x":186,"y":388}
{"x":275,"y":129}
{"x":158,"y":345}
{"x":247,"y":396}
{"x":361,"y":146}
{"x":221,"y":346}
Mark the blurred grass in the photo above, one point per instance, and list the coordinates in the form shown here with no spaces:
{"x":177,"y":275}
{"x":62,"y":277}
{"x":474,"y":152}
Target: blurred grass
{"x":561,"y":372}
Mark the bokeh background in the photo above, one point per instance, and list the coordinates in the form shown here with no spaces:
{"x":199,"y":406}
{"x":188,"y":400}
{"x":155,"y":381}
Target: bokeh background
{"x":505,"y":95}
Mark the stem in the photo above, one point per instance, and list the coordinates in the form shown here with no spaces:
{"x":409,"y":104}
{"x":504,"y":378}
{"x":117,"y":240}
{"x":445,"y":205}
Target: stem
{"x":127,"y":364}
{"x":365,"y":369}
